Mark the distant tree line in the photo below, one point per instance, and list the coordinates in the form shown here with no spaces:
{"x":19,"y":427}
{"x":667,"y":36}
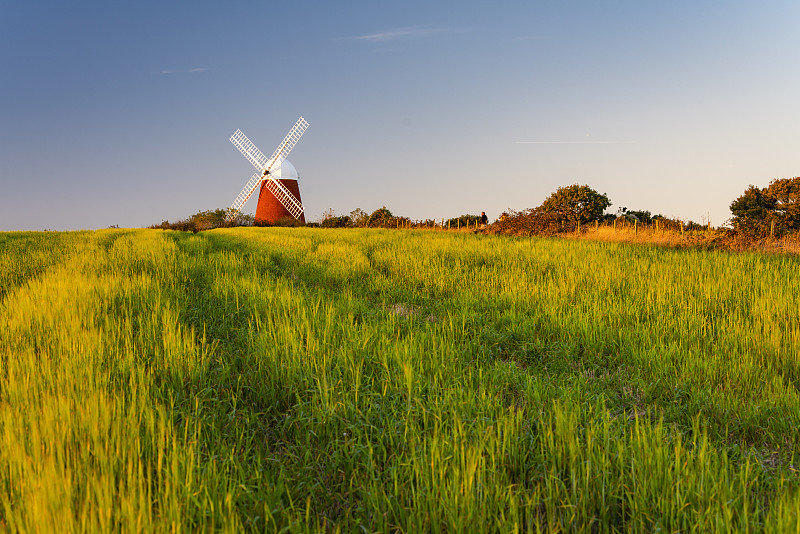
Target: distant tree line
{"x":207,"y":220}
{"x":380,"y":218}
{"x":572,"y":207}
{"x":759,"y":212}
{"x":772,"y":211}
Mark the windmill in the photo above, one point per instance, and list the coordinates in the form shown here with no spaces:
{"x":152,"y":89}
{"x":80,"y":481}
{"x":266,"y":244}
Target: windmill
{"x":280,"y":194}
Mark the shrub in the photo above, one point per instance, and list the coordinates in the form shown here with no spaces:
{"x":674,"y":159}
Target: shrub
{"x":206,"y":220}
{"x":532,"y":222}
{"x":285,"y":222}
{"x":465,"y":220}
{"x":336,"y":222}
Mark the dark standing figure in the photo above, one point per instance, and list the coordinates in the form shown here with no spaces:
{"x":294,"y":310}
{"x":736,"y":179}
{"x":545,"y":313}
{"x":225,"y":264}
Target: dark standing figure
{"x":484,"y":218}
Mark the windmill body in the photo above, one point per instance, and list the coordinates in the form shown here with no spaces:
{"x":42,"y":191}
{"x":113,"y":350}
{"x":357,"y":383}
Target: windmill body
{"x":269,"y":208}
{"x":279,"y":194}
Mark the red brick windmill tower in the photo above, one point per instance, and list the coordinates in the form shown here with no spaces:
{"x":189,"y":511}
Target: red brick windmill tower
{"x":280,"y":194}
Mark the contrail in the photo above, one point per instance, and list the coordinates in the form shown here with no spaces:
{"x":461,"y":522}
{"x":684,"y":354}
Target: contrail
{"x":575,"y":142}
{"x":185,"y":71}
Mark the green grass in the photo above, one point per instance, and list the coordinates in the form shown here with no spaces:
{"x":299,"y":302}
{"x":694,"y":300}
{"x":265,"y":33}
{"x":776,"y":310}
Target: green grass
{"x":366,"y":380}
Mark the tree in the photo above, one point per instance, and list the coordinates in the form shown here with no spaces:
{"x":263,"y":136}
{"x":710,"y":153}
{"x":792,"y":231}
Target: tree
{"x":578,"y":203}
{"x":359,"y":217}
{"x":774,"y":208}
{"x":786,"y":194}
{"x":331,"y":220}
{"x":327,"y":214}
{"x":642,"y":216}
{"x":206,"y":220}
{"x":380,"y":217}
{"x":754,"y":211}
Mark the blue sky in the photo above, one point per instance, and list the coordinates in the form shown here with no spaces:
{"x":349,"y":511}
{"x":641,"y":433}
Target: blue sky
{"x":117,"y":113}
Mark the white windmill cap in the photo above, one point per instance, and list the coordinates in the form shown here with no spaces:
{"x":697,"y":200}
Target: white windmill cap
{"x":285,"y":171}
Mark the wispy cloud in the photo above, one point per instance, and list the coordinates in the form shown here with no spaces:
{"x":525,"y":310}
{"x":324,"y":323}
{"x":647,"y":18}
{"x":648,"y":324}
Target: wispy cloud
{"x":185,"y":71}
{"x":576,"y":142}
{"x":398,"y":34}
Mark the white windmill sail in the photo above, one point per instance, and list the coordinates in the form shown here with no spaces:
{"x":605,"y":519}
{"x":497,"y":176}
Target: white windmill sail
{"x":250,"y":151}
{"x":264,"y":164}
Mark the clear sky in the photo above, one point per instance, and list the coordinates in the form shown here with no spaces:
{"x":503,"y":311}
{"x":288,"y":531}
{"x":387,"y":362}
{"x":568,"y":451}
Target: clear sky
{"x":119,"y":113}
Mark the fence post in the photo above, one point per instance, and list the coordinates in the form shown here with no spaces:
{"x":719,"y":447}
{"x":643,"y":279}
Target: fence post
{"x":772,"y":229}
{"x":615,"y":226}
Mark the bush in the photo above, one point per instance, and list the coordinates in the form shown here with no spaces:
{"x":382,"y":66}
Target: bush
{"x":668,"y":224}
{"x":206,"y":220}
{"x":532,"y":222}
{"x":642,"y":216}
{"x":336,"y":222}
{"x":285,"y":222}
{"x":462,"y":221}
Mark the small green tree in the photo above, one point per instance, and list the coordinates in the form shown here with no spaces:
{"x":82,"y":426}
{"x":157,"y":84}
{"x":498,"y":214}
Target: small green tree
{"x":753,"y":211}
{"x":380,"y":217}
{"x":206,"y":220}
{"x":759,"y":211}
{"x":578,"y":203}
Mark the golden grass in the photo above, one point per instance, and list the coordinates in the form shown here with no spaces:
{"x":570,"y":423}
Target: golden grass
{"x":719,"y":239}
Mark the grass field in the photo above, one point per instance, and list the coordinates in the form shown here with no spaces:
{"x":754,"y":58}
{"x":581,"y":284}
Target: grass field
{"x":373,"y":381}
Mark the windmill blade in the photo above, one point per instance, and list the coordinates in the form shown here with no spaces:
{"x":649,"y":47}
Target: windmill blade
{"x":250,"y":151}
{"x":288,"y":143}
{"x":244,"y":196}
{"x":257,"y":158}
